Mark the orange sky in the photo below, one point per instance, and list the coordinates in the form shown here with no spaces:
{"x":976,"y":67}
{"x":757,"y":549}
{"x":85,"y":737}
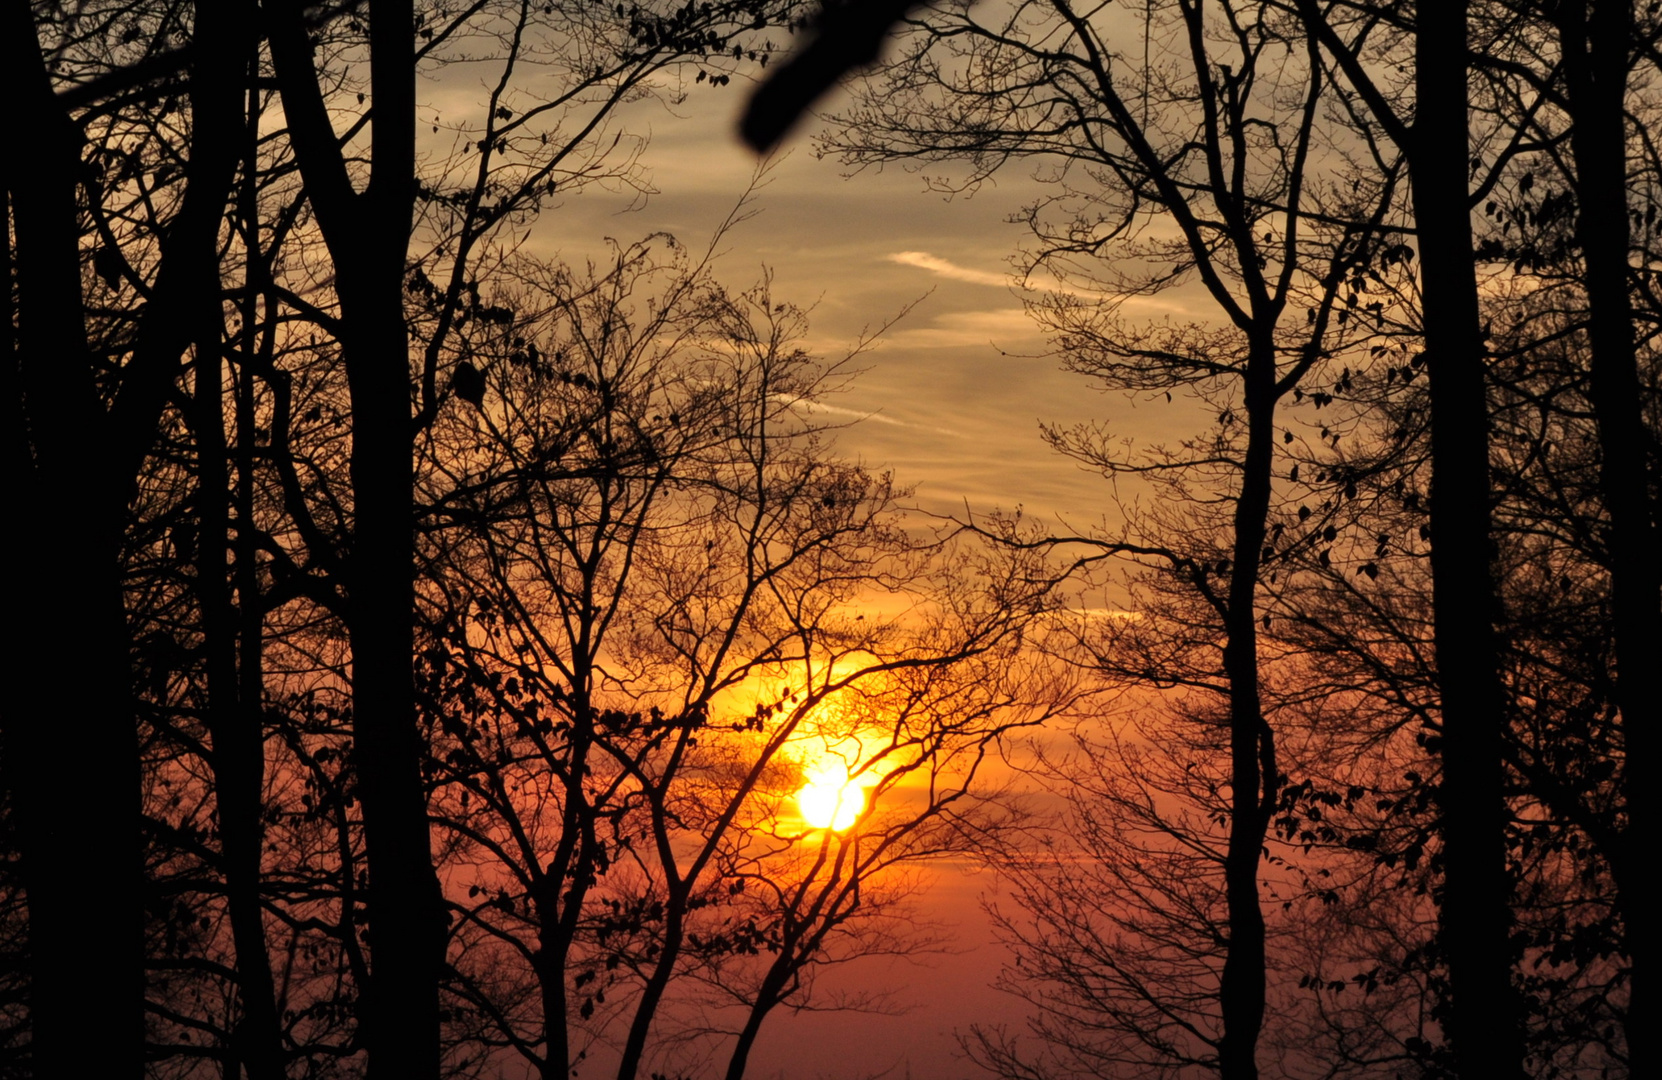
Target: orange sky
{"x":945,"y":409}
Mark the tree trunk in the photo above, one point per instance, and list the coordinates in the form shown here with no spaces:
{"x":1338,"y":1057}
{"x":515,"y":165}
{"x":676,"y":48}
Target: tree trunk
{"x":553,"y":950}
{"x":233,"y":720}
{"x":407,"y":917}
{"x":652,"y":994}
{"x":767,"y":997}
{"x":86,"y":911}
{"x":1483,"y":1013}
{"x":1596,"y":64}
{"x":559,"y":898}
{"x":1252,"y":789}
{"x":232,"y":634}
{"x":368,"y":237}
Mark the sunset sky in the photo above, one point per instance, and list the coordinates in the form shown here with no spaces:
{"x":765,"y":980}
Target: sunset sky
{"x":563,"y":597}
{"x":951,"y":400}
{"x":945,"y":408}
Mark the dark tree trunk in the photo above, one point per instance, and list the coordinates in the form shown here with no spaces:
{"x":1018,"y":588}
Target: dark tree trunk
{"x":86,"y":914}
{"x":1252,"y":776}
{"x":70,"y":750}
{"x":407,"y":918}
{"x":72,"y":755}
{"x":368,"y":236}
{"x":231,"y":634}
{"x":1483,"y":1013}
{"x":767,"y":997}
{"x":562,"y":890}
{"x":1596,"y":64}
{"x":233,"y":717}
{"x":406,"y":910}
{"x":652,"y":993}
{"x":553,"y":951}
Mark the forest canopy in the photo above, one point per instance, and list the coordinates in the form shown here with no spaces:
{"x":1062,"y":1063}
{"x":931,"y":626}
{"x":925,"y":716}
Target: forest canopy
{"x":438,"y":658}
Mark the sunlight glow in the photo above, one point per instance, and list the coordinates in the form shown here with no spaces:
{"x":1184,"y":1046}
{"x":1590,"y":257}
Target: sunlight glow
{"x":830,"y":799}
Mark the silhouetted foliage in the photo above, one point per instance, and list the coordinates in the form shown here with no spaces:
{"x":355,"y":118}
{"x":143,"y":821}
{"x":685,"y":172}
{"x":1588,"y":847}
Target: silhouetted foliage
{"x":425,"y":651}
{"x":1407,"y":627}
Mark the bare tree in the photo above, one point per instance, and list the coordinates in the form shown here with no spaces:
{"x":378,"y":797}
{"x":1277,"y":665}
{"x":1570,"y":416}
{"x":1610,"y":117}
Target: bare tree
{"x":522,"y":149}
{"x":71,"y":371}
{"x":1597,"y":43}
{"x":656,"y":598}
{"x":1448,"y":40}
{"x":1213,"y":133}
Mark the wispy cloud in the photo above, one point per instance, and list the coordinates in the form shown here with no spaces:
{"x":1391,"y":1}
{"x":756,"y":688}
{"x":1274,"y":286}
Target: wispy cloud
{"x":810,"y":406}
{"x":1112,"y":614}
{"x":972,"y":329}
{"x":948,"y":269}
{"x":937,"y":265}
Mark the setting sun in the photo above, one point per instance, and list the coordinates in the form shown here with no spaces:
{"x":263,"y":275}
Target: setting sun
{"x":830,"y":799}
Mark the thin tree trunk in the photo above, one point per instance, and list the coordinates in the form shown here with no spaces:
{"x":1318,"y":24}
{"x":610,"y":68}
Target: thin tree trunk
{"x":561,"y":893}
{"x":238,"y":761}
{"x":234,"y":692}
{"x":407,"y":917}
{"x":1595,"y":54}
{"x":1241,"y":990}
{"x":767,"y":997}
{"x":1483,"y":1014}
{"x":652,"y":994}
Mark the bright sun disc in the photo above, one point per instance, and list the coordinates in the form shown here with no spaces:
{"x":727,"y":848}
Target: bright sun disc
{"x":830,"y":800}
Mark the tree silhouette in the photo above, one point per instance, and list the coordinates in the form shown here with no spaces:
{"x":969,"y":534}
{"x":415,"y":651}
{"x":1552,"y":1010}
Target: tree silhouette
{"x":650,"y":584}
{"x":426,"y":650}
{"x":1172,"y":139}
{"x":64,"y":379}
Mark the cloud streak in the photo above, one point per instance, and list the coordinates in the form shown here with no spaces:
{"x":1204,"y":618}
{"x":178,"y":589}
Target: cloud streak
{"x":972,"y":330}
{"x":810,"y":406}
{"x":951,"y":270}
{"x":937,"y":265}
